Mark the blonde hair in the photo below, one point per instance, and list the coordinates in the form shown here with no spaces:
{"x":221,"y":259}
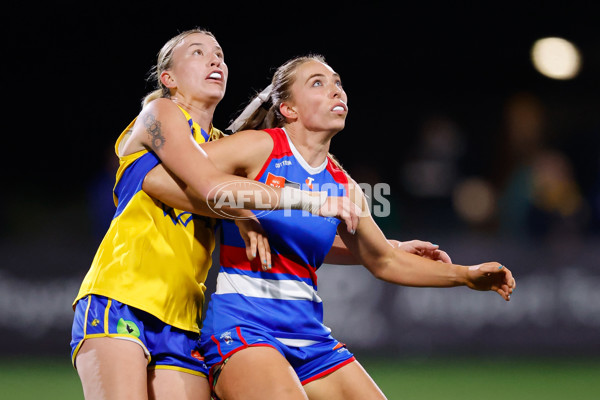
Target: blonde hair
{"x":267,"y":114}
{"x":164,"y":62}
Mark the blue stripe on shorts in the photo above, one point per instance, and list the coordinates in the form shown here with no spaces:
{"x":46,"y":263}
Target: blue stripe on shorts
{"x":165,"y":346}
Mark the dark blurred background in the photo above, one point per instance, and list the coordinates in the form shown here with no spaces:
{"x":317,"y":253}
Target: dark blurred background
{"x":483,"y":154}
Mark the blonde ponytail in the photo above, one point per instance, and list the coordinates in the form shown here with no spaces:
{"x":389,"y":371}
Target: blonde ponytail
{"x":156,"y":94}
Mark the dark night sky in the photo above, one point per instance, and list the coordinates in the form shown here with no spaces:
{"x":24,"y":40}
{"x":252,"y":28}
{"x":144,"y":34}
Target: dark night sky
{"x":76,"y":75}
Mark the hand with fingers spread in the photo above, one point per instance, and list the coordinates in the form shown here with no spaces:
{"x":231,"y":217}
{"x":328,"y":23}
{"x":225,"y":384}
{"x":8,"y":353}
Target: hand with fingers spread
{"x":255,"y":239}
{"x":491,"y":276}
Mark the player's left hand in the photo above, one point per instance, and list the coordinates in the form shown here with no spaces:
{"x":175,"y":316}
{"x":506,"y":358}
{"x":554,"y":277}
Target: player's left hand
{"x":423,"y":249}
{"x":491,"y":276}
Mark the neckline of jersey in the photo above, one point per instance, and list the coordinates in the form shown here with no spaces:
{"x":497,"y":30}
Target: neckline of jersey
{"x":301,"y":160}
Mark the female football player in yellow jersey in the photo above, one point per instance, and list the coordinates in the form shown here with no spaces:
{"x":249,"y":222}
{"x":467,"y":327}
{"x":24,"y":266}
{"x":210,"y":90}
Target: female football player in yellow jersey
{"x":310,"y":106}
{"x":137,"y":314}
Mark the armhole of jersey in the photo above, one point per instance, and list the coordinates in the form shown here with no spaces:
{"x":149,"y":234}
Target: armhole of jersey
{"x":132,"y":179}
{"x":122,"y":139}
{"x":195,"y":133}
{"x":338,"y":175}
{"x":277,"y":135}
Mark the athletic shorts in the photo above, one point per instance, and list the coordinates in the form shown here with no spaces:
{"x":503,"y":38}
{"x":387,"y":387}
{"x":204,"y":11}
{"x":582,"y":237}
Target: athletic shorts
{"x":310,"y":362}
{"x":165,"y":346}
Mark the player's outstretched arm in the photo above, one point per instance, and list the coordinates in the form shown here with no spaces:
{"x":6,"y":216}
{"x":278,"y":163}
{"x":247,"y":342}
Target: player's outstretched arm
{"x":390,"y":264}
{"x":162,"y":128}
{"x":340,"y":255}
{"x":167,"y":188}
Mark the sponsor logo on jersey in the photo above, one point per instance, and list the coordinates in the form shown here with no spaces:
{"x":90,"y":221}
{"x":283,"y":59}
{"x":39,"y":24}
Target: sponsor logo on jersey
{"x":280,"y":181}
{"x":309,"y":182}
{"x":282,"y":163}
{"x":340,"y":347}
{"x":196,"y":354}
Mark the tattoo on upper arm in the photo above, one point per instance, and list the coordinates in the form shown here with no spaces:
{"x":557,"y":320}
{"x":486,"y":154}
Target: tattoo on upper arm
{"x":153,"y":128}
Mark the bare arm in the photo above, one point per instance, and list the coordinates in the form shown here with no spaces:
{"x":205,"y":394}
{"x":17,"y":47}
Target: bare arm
{"x":390,"y":264}
{"x":163,"y":185}
{"x":341,"y":255}
{"x":162,"y":128}
{"x":168,"y":188}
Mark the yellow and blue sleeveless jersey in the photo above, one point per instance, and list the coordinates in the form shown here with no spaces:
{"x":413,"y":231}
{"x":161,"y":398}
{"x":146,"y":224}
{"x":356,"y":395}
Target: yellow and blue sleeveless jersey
{"x":153,"y":257}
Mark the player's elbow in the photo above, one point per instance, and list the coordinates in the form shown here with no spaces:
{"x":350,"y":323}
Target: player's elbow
{"x":378,"y":268}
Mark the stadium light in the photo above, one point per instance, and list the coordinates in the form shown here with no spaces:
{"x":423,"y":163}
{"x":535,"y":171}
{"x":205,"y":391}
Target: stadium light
{"x":556,"y":58}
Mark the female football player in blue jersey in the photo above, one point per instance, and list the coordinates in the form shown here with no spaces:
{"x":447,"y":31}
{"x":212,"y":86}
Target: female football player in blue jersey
{"x":263,"y":334}
{"x":136,"y":324}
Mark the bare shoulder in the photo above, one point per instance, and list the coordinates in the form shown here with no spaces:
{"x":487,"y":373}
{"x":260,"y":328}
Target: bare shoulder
{"x":251,"y":135}
{"x":159,"y":120}
{"x":160,"y":111}
{"x":242,"y":153}
{"x":148,"y":126}
{"x":356,"y":194}
{"x":160,"y":105}
{"x":244,"y":141}
{"x":353,"y":187}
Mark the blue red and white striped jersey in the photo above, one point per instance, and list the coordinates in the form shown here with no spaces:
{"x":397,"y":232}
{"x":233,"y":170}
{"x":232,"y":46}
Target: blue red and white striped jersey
{"x":284,"y":299}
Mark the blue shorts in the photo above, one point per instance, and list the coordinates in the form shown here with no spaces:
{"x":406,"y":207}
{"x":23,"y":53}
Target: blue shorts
{"x":310,"y":362}
{"x":165,"y":346}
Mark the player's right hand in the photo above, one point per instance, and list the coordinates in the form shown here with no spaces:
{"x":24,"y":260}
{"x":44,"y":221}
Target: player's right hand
{"x":342,"y":208}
